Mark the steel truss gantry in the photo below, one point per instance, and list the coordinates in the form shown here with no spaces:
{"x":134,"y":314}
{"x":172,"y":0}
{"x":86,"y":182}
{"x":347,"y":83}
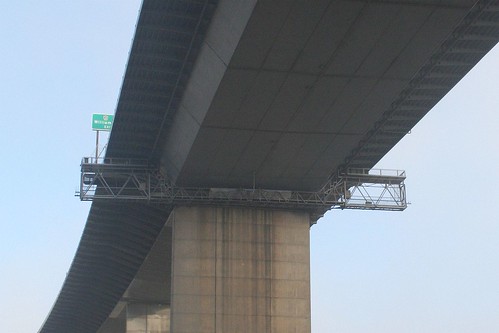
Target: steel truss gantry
{"x":136,"y":180}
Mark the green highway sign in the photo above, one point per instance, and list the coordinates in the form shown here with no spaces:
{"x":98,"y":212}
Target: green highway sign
{"x":102,"y":122}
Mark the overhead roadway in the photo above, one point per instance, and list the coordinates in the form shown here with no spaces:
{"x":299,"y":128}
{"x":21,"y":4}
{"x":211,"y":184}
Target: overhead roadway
{"x":283,"y":94}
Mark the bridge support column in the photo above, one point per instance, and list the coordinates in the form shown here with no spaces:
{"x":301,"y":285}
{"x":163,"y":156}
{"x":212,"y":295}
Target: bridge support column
{"x":242,"y":270}
{"x":135,"y":317}
{"x":147,"y":318}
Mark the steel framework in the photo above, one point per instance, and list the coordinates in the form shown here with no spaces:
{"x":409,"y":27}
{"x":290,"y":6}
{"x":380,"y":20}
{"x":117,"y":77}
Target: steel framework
{"x":129,"y":179}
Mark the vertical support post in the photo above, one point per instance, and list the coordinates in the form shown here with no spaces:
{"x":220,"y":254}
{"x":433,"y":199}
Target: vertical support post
{"x":96,"y":145}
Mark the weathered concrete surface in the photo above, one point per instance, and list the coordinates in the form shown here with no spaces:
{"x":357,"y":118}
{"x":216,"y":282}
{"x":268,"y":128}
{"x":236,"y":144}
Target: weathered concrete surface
{"x":240,"y":270}
{"x":136,"y":317}
{"x":147,"y":318}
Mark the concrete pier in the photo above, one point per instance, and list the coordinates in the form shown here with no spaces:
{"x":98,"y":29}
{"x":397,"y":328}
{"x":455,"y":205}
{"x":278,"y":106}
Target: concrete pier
{"x":240,"y":270}
{"x":137,"y":317}
{"x":147,"y":318}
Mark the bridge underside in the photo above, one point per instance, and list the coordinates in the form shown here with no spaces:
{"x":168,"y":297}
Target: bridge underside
{"x":285,"y":103}
{"x":276,"y":94}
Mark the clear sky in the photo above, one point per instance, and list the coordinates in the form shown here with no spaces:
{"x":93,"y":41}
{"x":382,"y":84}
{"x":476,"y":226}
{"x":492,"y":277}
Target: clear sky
{"x":432,"y":268}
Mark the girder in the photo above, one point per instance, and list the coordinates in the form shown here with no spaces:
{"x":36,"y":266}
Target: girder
{"x":450,"y":63}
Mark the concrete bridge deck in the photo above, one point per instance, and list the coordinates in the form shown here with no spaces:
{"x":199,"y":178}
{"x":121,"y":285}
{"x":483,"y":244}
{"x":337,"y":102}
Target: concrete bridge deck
{"x":225,"y":93}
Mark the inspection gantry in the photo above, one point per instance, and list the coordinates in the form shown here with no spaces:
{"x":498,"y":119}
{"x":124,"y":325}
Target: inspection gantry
{"x":132,"y":179}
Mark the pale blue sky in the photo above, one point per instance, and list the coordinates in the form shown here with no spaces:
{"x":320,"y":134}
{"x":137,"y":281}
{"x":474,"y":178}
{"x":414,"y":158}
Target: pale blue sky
{"x":432,"y":268}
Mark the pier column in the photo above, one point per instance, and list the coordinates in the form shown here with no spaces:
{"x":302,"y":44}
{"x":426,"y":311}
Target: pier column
{"x":136,"y":317}
{"x":243,"y":270}
{"x":147,"y":318}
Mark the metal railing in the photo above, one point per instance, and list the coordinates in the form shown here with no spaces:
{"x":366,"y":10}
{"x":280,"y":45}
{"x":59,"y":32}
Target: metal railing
{"x":128,"y":179}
